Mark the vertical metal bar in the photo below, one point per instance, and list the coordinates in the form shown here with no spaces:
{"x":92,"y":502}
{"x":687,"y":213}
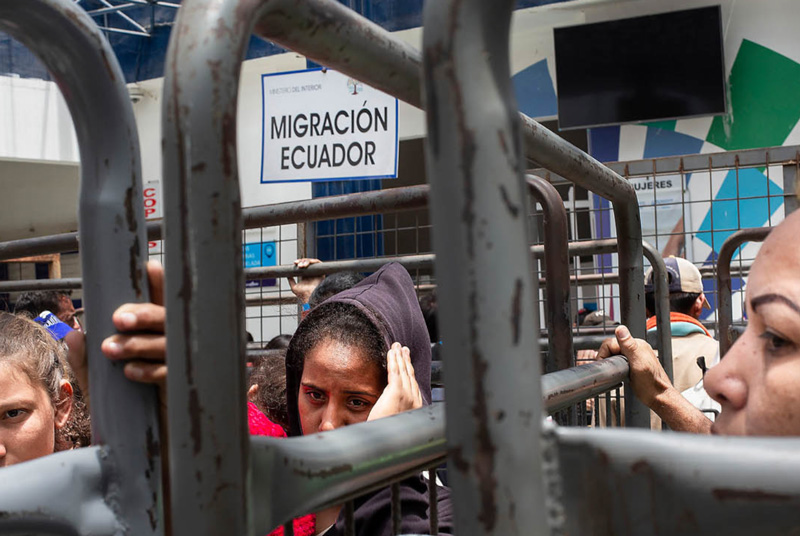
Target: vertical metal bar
{"x":725,"y":311}
{"x":349,"y":519}
{"x":556,"y":258}
{"x":397,"y":509}
{"x":209,"y":446}
{"x":433,"y":501}
{"x":112,"y":223}
{"x":288,"y":528}
{"x":488,"y":309}
{"x":790,"y":198}
{"x":661,"y":292}
{"x":559,"y":156}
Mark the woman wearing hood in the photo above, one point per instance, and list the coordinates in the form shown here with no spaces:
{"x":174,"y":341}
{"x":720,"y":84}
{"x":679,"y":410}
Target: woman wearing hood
{"x":361,"y":355}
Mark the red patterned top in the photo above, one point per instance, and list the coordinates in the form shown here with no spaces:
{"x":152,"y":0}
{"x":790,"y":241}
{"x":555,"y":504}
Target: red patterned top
{"x":260,"y":425}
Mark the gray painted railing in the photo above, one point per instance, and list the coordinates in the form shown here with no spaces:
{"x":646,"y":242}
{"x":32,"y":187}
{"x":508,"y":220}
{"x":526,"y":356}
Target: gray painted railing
{"x":475,"y":167}
{"x":724,"y":292}
{"x":509,"y":475}
{"x":112,"y":226}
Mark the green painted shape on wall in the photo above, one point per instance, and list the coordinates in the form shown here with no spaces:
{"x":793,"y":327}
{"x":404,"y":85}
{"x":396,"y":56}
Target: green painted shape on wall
{"x":763,"y":91}
{"x":663,"y":125}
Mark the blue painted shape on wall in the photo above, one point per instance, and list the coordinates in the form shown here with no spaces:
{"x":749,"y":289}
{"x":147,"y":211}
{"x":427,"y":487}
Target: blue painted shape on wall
{"x":752,"y":209}
{"x":534,"y":89}
{"x":660,"y":142}
{"x":604,"y":143}
{"x":710,"y":287}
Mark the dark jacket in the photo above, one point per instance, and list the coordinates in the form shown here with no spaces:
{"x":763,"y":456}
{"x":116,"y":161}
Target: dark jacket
{"x":389,"y":300}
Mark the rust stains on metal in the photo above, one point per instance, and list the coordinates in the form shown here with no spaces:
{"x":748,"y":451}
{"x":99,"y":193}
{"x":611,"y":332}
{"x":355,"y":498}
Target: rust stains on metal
{"x":229,"y":145}
{"x":130,"y":209}
{"x":512,"y":208}
{"x":135,"y":267}
{"x":485,"y":449}
{"x":641,"y":467}
{"x":107,"y":64}
{"x":516,"y":311}
{"x":195,"y":418}
{"x":501,"y":136}
{"x":455,"y":455}
{"x":324,"y":473}
{"x":751,"y":495}
{"x":433,"y":55}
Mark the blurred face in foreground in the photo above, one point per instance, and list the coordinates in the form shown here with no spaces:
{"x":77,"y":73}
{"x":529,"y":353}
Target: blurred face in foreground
{"x":758,"y":380}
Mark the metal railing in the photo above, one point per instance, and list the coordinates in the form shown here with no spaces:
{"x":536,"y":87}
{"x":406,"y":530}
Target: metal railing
{"x":122,"y":478}
{"x":726,"y":252}
{"x":510,"y":474}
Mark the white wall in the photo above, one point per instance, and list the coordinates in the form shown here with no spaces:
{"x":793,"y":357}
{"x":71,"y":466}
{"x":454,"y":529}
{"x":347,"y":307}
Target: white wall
{"x":35,"y":122}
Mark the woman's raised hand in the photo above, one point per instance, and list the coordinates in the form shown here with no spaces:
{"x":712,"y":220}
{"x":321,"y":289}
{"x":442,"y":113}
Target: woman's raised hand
{"x":402,"y":390}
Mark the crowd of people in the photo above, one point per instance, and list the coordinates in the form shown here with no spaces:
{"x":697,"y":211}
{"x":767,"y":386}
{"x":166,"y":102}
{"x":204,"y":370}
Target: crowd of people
{"x":363,"y":351}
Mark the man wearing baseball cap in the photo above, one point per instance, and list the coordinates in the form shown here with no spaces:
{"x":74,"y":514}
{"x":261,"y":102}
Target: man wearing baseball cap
{"x":690,"y":339}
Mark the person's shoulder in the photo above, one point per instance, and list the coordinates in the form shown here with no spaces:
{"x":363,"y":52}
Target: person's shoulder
{"x":259,"y":424}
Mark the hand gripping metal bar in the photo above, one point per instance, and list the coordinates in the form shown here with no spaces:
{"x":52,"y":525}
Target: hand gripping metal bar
{"x":486,"y":289}
{"x":124,"y":414}
{"x":725,"y":308}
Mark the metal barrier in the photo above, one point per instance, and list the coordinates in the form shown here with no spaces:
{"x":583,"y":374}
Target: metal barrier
{"x":729,"y":247}
{"x":121,"y":478}
{"x":510,"y":475}
{"x":556,"y":237}
{"x":416,"y":197}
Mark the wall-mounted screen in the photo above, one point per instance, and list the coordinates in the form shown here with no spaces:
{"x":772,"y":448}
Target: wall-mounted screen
{"x":663,"y":66}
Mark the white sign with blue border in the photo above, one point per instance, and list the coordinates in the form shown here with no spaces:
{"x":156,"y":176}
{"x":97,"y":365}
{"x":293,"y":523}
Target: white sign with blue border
{"x":320,"y":125}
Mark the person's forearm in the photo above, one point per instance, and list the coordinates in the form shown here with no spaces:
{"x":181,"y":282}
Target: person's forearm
{"x":679,"y":414}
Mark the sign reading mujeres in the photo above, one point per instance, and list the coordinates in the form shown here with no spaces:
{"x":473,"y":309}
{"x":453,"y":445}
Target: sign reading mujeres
{"x":320,"y":125}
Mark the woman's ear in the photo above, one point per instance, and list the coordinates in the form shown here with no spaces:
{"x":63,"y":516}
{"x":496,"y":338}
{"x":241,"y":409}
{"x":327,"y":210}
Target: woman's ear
{"x":252,"y":393}
{"x":63,"y":407}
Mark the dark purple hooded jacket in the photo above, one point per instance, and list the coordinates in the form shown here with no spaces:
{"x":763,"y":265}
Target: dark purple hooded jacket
{"x":389,"y":300}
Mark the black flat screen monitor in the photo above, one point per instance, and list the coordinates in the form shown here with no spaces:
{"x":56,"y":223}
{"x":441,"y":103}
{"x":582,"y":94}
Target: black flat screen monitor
{"x":664,"y":66}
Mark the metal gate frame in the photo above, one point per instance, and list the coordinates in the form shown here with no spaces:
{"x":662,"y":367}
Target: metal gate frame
{"x":118,"y":482}
{"x":647,"y":484}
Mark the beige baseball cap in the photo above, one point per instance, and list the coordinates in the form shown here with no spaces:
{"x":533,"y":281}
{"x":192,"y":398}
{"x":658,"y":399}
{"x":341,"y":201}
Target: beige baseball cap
{"x":683,"y":276}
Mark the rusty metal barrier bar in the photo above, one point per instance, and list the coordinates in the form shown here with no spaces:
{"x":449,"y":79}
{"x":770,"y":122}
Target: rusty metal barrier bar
{"x":323,"y":208}
{"x":426,"y":261}
{"x":302,"y":474}
{"x":636,"y":482}
{"x":111,"y":219}
{"x":568,"y":387}
{"x":661,"y":292}
{"x":58,"y":494}
{"x":487,"y":308}
{"x":725,"y":309}
{"x":204,"y":293}
{"x":297,"y":475}
{"x":558,"y":319}
{"x":558,"y":155}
